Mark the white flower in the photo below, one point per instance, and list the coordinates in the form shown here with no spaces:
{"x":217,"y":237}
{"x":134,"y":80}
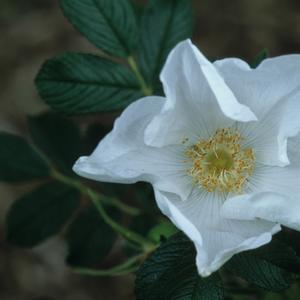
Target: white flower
{"x":222,"y":151}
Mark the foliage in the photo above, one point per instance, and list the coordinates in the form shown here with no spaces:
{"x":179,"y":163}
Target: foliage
{"x":134,"y":42}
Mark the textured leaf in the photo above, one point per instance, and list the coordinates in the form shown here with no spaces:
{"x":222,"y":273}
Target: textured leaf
{"x":108,"y":24}
{"x":57,"y":137}
{"x":89,"y":238}
{"x":40,"y":214}
{"x":281,"y":255}
{"x":82,"y":83}
{"x":262,"y":55}
{"x":19,"y":161}
{"x":265,"y":267}
{"x":170,"y":273}
{"x":164,"y":25}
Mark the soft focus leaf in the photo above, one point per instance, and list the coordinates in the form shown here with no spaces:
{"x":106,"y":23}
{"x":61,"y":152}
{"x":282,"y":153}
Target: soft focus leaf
{"x":40,"y":214}
{"x":144,"y":196}
{"x":170,"y":273}
{"x":265,"y":267}
{"x":93,"y":135}
{"x":262,"y":55}
{"x":89,"y":238}
{"x":164,"y":24}
{"x":108,"y":24}
{"x":57,"y":137}
{"x":19,"y":161}
{"x":83,"y":83}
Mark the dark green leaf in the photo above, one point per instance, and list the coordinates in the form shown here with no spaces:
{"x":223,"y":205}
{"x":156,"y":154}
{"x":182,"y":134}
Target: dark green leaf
{"x":92,"y":136}
{"x":89,"y":238}
{"x":40,"y":214}
{"x":164,"y":25}
{"x":141,"y":224}
{"x":19,"y":161}
{"x":108,"y":24}
{"x":170,"y":273}
{"x":144,"y":196}
{"x":82,"y":83}
{"x":138,"y":10}
{"x":262,"y":55}
{"x":265,"y":267}
{"x":281,"y":255}
{"x":58,"y":138}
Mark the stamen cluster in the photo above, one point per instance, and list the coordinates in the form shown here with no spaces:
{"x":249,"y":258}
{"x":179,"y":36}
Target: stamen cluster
{"x":221,"y":163}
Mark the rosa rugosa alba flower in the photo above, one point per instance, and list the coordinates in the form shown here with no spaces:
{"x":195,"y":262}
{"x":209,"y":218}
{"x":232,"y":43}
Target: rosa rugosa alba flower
{"x":221,"y":151}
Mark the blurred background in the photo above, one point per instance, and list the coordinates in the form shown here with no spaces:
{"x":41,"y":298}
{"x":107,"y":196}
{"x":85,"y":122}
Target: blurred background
{"x":34,"y":30}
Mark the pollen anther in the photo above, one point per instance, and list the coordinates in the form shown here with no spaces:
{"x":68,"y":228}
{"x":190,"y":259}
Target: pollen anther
{"x":221,"y":163}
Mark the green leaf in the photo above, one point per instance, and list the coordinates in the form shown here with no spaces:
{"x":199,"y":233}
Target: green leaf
{"x":262,"y":55}
{"x":19,"y":161}
{"x":57,"y":137}
{"x":138,"y":9}
{"x":264,"y":267}
{"x":82,"y":83}
{"x":164,"y":25}
{"x":92,"y":136}
{"x":144,"y":196}
{"x":280,"y":254}
{"x":89,"y":238}
{"x":40,"y":214}
{"x":171,"y":273}
{"x":108,"y":24}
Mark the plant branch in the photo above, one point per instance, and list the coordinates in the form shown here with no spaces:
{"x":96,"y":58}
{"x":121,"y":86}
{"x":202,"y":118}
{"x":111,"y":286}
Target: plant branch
{"x":133,"y":211}
{"x":127,"y":267}
{"x":131,"y":236}
{"x":147,"y":91}
{"x":126,"y":233}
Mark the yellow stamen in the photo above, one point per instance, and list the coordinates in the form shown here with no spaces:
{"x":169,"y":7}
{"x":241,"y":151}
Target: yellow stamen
{"x":221,"y":163}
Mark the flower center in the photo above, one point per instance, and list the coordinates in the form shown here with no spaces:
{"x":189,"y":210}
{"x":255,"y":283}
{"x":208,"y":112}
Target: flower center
{"x":221,"y":163}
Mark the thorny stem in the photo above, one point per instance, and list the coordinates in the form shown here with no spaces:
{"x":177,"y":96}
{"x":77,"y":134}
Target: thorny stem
{"x":147,"y":91}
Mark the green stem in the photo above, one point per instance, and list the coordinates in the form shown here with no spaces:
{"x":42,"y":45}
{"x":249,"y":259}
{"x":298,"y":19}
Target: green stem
{"x":147,"y":91}
{"x":127,"y":267}
{"x":109,"y":201}
{"x":126,"y":233}
{"x":97,"y":199}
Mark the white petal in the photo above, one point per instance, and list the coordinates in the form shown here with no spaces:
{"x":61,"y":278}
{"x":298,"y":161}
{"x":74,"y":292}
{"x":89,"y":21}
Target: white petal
{"x":261,"y":88}
{"x":123,"y":157}
{"x":198,"y":100}
{"x":216,"y":239}
{"x":273,"y":195}
{"x":294,"y":151}
{"x":269,"y":137}
{"x":266,"y":206}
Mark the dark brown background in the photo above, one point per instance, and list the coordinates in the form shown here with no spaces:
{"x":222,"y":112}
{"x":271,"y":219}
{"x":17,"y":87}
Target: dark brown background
{"x":34,"y":30}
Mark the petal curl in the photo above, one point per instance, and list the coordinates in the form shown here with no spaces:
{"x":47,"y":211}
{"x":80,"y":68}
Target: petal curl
{"x":123,"y":157}
{"x":198,"y":99}
{"x":270,"y":136}
{"x":216,"y":239}
{"x":273,"y":195}
{"x":268,"y":206}
{"x":272,"y":91}
{"x":263,"y":87}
